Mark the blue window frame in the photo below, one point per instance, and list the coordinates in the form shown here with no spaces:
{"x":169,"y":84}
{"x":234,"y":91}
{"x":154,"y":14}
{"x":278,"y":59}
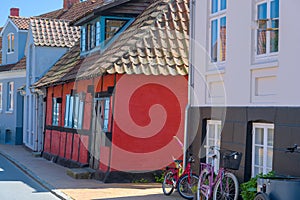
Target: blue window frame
{"x":102,"y":32}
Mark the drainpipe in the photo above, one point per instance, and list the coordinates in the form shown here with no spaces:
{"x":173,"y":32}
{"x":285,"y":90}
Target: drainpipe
{"x":190,"y":79}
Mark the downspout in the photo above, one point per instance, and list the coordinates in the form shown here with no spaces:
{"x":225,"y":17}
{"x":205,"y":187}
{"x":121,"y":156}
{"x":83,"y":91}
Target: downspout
{"x":190,"y":80}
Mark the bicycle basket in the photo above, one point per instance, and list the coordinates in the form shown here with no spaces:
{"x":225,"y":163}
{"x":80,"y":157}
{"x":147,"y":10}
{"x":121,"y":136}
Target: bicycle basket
{"x":229,"y":160}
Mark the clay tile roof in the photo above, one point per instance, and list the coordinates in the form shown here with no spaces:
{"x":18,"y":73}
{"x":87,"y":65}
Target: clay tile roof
{"x":152,"y":45}
{"x":54,"y":32}
{"x":21,"y":65}
{"x":77,"y":11}
{"x":21,"y":22}
{"x":157,"y":43}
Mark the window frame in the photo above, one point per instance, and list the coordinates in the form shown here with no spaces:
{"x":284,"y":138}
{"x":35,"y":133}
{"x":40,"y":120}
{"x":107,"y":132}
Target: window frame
{"x":10,"y":96}
{"x":74,"y":112}
{"x":55,"y":111}
{"x":212,"y":16}
{"x":216,"y":139}
{"x":268,"y":30}
{"x":10,"y":43}
{"x":264,"y":146}
{"x":95,"y":37}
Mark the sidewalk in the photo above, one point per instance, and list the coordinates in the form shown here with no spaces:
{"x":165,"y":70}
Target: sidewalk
{"x":55,"y":178}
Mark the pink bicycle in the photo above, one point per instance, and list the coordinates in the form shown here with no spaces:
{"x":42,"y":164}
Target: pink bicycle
{"x":223,"y":185}
{"x":185,"y":181}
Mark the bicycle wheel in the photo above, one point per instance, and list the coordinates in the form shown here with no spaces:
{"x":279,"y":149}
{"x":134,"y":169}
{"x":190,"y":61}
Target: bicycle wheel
{"x":168,"y":183}
{"x":203,"y":185}
{"x":229,"y":188}
{"x":187,"y":189}
{"x":262,"y":196}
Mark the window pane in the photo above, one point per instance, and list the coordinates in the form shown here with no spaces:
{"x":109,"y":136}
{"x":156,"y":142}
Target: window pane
{"x":259,"y":136}
{"x":257,"y":170}
{"x":262,"y":11}
{"x":112,"y":27}
{"x":12,"y":42}
{"x":214,"y":6}
{"x":71,"y":111}
{"x":259,"y":156}
{"x":270,"y":136}
{"x":98,"y":38}
{"x":211,"y":131}
{"x":76,"y":112}
{"x":223,"y":39}
{"x":214,"y":40}
{"x":274,"y":9}
{"x":270,"y":158}
{"x":67,"y":110}
{"x":80,"y":117}
{"x":223,"y":4}
{"x":274,"y":35}
{"x":83,"y":39}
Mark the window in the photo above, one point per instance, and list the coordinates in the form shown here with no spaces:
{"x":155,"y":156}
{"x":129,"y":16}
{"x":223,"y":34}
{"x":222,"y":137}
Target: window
{"x":55,"y":111}
{"x":101,"y":32}
{"x":10,"y":96}
{"x":262,"y":148}
{"x":74,"y":111}
{"x":104,"y":113}
{"x":83,"y":39}
{"x":10,"y":42}
{"x":213,"y":138}
{"x":267,"y":33}
{"x":218,"y":30}
{"x":1,"y":101}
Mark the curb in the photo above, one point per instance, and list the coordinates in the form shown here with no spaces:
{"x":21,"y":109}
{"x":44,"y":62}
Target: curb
{"x":32,"y":175}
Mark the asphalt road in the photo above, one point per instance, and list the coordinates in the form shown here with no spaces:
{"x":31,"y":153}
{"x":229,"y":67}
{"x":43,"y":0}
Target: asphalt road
{"x":15,"y":185}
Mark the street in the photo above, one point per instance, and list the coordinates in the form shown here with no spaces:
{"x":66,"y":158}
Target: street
{"x":15,"y":184}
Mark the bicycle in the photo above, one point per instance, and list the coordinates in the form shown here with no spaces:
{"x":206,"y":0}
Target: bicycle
{"x":224,"y":184}
{"x":185,"y":181}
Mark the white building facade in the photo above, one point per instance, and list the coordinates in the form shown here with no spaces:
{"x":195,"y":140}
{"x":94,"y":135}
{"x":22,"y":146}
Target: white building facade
{"x":243,"y":81}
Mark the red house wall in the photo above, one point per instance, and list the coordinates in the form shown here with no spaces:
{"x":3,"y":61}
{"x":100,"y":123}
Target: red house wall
{"x":148,"y":112}
{"x":67,"y":143}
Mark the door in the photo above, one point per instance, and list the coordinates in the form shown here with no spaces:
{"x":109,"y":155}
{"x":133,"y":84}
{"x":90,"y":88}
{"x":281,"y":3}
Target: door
{"x":99,"y":129}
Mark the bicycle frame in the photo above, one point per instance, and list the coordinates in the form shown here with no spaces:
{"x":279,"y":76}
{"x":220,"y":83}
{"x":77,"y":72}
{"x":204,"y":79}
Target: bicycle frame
{"x":207,"y":190}
{"x":177,"y":175}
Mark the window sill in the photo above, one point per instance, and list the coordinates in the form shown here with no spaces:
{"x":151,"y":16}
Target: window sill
{"x":9,"y":112}
{"x":268,"y":58}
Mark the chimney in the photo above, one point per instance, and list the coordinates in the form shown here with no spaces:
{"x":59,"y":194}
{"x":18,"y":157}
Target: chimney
{"x":68,"y":3}
{"x":14,"y":12}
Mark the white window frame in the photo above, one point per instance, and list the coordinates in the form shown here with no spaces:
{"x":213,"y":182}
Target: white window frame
{"x":10,"y":96}
{"x":74,"y":112}
{"x":213,"y":140}
{"x":1,"y":95}
{"x":55,"y":112}
{"x":217,"y":16}
{"x":268,"y":54}
{"x":265,"y":146}
{"x":11,"y":43}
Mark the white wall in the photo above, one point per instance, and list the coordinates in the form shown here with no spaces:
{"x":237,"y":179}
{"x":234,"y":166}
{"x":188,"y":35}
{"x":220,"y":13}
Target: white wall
{"x":244,"y":80}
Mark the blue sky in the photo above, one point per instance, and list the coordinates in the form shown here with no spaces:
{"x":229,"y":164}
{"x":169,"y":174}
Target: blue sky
{"x":27,"y":8}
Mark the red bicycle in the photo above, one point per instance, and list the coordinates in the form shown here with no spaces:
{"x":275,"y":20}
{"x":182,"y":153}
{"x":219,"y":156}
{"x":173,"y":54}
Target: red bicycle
{"x":185,"y":181}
